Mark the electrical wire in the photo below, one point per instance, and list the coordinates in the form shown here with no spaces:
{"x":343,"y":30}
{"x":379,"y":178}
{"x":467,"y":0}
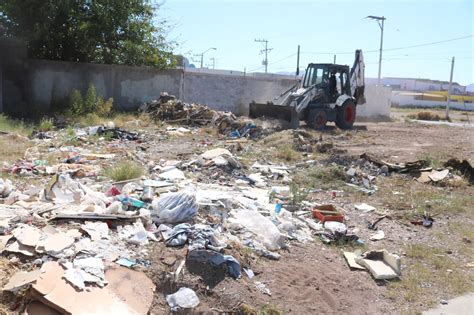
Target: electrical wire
{"x":390,"y":49}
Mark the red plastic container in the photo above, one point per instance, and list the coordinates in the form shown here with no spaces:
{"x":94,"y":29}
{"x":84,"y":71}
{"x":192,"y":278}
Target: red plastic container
{"x":328,"y":213}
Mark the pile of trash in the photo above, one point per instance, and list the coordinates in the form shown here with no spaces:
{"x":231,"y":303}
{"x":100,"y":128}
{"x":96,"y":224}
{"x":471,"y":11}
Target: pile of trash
{"x":81,"y":237}
{"x":169,"y":109}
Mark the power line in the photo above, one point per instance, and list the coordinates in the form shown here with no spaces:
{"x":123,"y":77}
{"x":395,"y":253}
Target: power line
{"x":390,"y":49}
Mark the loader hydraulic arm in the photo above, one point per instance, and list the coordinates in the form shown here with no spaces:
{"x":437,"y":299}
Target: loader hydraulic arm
{"x":357,"y":78}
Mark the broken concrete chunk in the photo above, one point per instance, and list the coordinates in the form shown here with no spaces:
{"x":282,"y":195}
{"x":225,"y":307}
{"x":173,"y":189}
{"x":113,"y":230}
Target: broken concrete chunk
{"x":381,"y":264}
{"x":3,"y":241}
{"x":437,"y":176}
{"x":172,"y":175}
{"x":96,"y":230}
{"x":21,"y":279}
{"x":350,"y":257}
{"x":364,"y":207}
{"x":54,"y":244}
{"x":17,"y":247}
{"x":211,"y":154}
{"x":379,"y":235}
{"x":27,"y":235}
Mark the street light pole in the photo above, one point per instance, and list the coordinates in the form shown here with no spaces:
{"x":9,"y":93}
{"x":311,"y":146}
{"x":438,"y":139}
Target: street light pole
{"x":381,"y":25}
{"x":202,"y":54}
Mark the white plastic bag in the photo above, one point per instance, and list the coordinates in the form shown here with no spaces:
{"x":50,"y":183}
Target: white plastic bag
{"x":267,"y":233}
{"x":175,"y":207}
{"x":183,"y":298}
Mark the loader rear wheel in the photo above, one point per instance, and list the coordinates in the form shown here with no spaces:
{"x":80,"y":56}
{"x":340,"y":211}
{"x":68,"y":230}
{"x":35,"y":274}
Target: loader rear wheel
{"x":317,"y":119}
{"x":346,"y":115}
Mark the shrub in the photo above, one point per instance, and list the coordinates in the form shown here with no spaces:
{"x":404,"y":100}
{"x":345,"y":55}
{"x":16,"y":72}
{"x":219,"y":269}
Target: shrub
{"x":46,"y":124}
{"x":103,"y":108}
{"x":76,"y":104}
{"x":90,"y":100}
{"x":425,"y":115}
{"x":91,"y":103}
{"x":124,"y":170}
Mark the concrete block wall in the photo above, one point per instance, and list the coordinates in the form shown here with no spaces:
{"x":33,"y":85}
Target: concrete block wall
{"x":53,"y":81}
{"x":231,"y":93}
{"x":378,"y":102}
{"x":40,"y":85}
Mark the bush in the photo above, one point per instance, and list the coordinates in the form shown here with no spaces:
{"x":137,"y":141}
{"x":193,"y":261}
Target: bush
{"x":425,"y":115}
{"x":46,"y":124}
{"x":90,"y":100}
{"x":124,"y":170}
{"x":104,"y":108}
{"x":90,"y":104}
{"x":75,"y":102}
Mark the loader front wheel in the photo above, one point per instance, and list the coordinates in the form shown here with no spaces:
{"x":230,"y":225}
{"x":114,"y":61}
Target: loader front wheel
{"x":317,"y":119}
{"x":346,"y":115}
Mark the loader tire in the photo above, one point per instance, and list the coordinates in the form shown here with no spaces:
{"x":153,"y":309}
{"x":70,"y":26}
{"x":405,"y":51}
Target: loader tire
{"x":346,"y":115}
{"x":317,"y":119}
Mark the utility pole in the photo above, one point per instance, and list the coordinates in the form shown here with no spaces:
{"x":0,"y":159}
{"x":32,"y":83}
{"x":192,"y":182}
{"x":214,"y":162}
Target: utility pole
{"x":334,"y":62}
{"x":266,"y":51}
{"x":213,"y":62}
{"x":298,"y":62}
{"x":449,"y":89}
{"x":381,"y":24}
{"x":202,"y":54}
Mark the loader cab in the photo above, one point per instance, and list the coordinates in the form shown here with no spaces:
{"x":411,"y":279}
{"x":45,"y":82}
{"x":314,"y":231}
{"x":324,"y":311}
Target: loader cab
{"x":332,"y":79}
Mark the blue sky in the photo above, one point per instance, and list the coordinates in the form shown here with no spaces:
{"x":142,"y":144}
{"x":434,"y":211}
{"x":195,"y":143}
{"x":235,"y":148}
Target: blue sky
{"x":323,"y":28}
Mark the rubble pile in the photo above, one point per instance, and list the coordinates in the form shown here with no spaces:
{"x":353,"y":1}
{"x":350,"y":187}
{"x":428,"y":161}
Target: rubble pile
{"x":169,"y":109}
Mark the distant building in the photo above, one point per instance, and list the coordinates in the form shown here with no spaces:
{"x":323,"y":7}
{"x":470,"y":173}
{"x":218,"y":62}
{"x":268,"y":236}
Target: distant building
{"x":421,"y":85}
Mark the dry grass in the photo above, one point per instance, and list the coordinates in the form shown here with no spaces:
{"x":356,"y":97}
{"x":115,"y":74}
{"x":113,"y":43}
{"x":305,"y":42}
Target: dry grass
{"x":413,"y":198}
{"x":15,"y":126}
{"x":287,"y":153}
{"x":426,"y":115}
{"x":12,"y":147}
{"x":124,"y":170}
{"x":430,"y":267}
{"x":332,"y":177}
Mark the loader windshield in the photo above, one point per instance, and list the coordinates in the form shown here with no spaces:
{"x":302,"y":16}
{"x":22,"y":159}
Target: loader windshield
{"x":314,"y":75}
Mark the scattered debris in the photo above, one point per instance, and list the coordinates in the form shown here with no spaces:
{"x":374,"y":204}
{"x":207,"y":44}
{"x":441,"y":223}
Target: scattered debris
{"x":379,"y":235}
{"x":20,"y":279}
{"x":464,"y":167}
{"x":262,"y":288}
{"x":364,"y":207}
{"x":381,"y":264}
{"x":351,"y":260}
{"x":328,"y":213}
{"x":183,"y":298}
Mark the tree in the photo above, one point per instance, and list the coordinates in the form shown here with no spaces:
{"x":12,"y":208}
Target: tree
{"x":100,"y":31}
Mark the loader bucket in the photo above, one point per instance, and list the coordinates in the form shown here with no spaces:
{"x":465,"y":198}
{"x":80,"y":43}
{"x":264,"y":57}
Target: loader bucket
{"x":287,"y":113}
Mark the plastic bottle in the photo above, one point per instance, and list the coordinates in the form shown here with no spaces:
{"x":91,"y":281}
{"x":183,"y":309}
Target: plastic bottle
{"x":148,"y":194}
{"x":131,"y":202}
{"x":278,"y":208}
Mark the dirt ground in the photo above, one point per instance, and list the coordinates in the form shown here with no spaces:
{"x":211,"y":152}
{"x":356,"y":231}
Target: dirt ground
{"x":314,"y":278}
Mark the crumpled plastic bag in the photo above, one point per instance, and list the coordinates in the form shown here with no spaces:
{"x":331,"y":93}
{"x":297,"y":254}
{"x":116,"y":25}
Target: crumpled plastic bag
{"x":175,"y":207}
{"x":183,"y":298}
{"x":6,"y":187}
{"x":264,"y":229}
